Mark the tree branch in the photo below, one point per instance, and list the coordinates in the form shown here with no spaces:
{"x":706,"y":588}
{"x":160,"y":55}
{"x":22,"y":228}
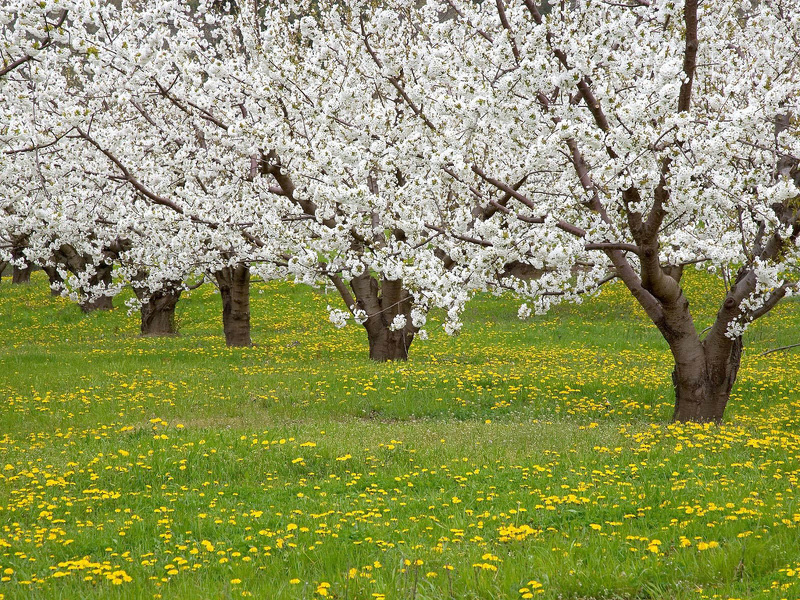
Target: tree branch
{"x":563,"y":225}
{"x":155,"y":198}
{"x":690,"y":54}
{"x":789,"y":347}
{"x":395,"y":81}
{"x":463,"y":238}
{"x":501,"y":11}
{"x":613,"y":246}
{"x":343,"y":291}
{"x":23,"y":59}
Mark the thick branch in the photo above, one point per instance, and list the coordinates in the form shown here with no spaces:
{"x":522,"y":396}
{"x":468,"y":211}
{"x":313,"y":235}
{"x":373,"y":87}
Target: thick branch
{"x":141,"y":188}
{"x":775,"y":297}
{"x":270,"y":165}
{"x":563,"y":225}
{"x":343,"y":291}
{"x":690,"y":54}
{"x":501,"y":11}
{"x":613,"y":246}
{"x":155,"y":198}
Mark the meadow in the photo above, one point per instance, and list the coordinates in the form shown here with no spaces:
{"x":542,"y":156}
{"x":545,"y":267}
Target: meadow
{"x":518,"y":460}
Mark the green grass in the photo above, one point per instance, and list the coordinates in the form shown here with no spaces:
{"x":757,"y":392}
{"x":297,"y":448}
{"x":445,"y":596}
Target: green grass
{"x":518,"y":452}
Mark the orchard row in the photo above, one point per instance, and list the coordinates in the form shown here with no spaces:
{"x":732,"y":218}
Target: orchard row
{"x":409,"y":154}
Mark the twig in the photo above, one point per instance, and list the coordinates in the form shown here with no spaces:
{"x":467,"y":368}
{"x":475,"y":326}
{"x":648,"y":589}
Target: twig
{"x":790,"y":346}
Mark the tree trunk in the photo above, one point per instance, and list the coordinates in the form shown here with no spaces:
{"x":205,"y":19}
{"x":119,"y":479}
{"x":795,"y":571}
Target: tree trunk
{"x":55,"y":280}
{"x":99,"y":303}
{"x":703,"y":388}
{"x":385,"y":344}
{"x":382,"y":300}
{"x":704,"y":370}
{"x":102,"y":275}
{"x":21,"y":275}
{"x":158,"y":313}
{"x":234,"y":288}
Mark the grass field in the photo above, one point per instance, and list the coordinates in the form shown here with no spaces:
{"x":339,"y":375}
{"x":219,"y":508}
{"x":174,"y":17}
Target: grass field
{"x":520,"y":460}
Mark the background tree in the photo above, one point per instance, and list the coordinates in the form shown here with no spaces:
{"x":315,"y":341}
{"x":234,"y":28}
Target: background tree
{"x":88,"y":108}
{"x":206,"y":115}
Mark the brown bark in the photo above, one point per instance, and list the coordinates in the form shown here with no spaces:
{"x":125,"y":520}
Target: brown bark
{"x":520,"y":270}
{"x":77,"y":263}
{"x":158,"y":312}
{"x":382,"y":301}
{"x":99,"y":303}
{"x":703,"y":388}
{"x":234,"y":288}
{"x":21,"y":275}
{"x":385,"y":344}
{"x":704,"y":370}
{"x":102,"y":275}
{"x":55,"y":280}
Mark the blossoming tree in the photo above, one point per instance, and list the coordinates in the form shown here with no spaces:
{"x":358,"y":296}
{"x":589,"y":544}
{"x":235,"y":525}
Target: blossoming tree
{"x":612,"y":140}
{"x":262,"y":146}
{"x":78,"y":216}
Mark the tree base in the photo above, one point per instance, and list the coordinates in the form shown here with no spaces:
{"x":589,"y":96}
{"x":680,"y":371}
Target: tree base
{"x":158,"y":316}
{"x":55,"y":279}
{"x":21,"y":276}
{"x":100,"y":303}
{"x":702,"y":390}
{"x":386,"y":345}
{"x":234,"y":289}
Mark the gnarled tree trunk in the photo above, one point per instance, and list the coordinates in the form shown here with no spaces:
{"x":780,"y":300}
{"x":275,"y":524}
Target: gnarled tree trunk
{"x":77,"y":263}
{"x":20,"y":274}
{"x":703,"y":386}
{"x":382,"y":302}
{"x":234,"y":288}
{"x":158,"y":310}
{"x":704,"y":370}
{"x":385,"y":344}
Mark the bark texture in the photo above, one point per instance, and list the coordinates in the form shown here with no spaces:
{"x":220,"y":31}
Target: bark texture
{"x":704,"y":370}
{"x":102,"y":276}
{"x":703,"y":388}
{"x":383,"y":300}
{"x":234,"y":288}
{"x":158,"y":311}
{"x":77,"y":263}
{"x":21,"y":275}
{"x":385,"y":344}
